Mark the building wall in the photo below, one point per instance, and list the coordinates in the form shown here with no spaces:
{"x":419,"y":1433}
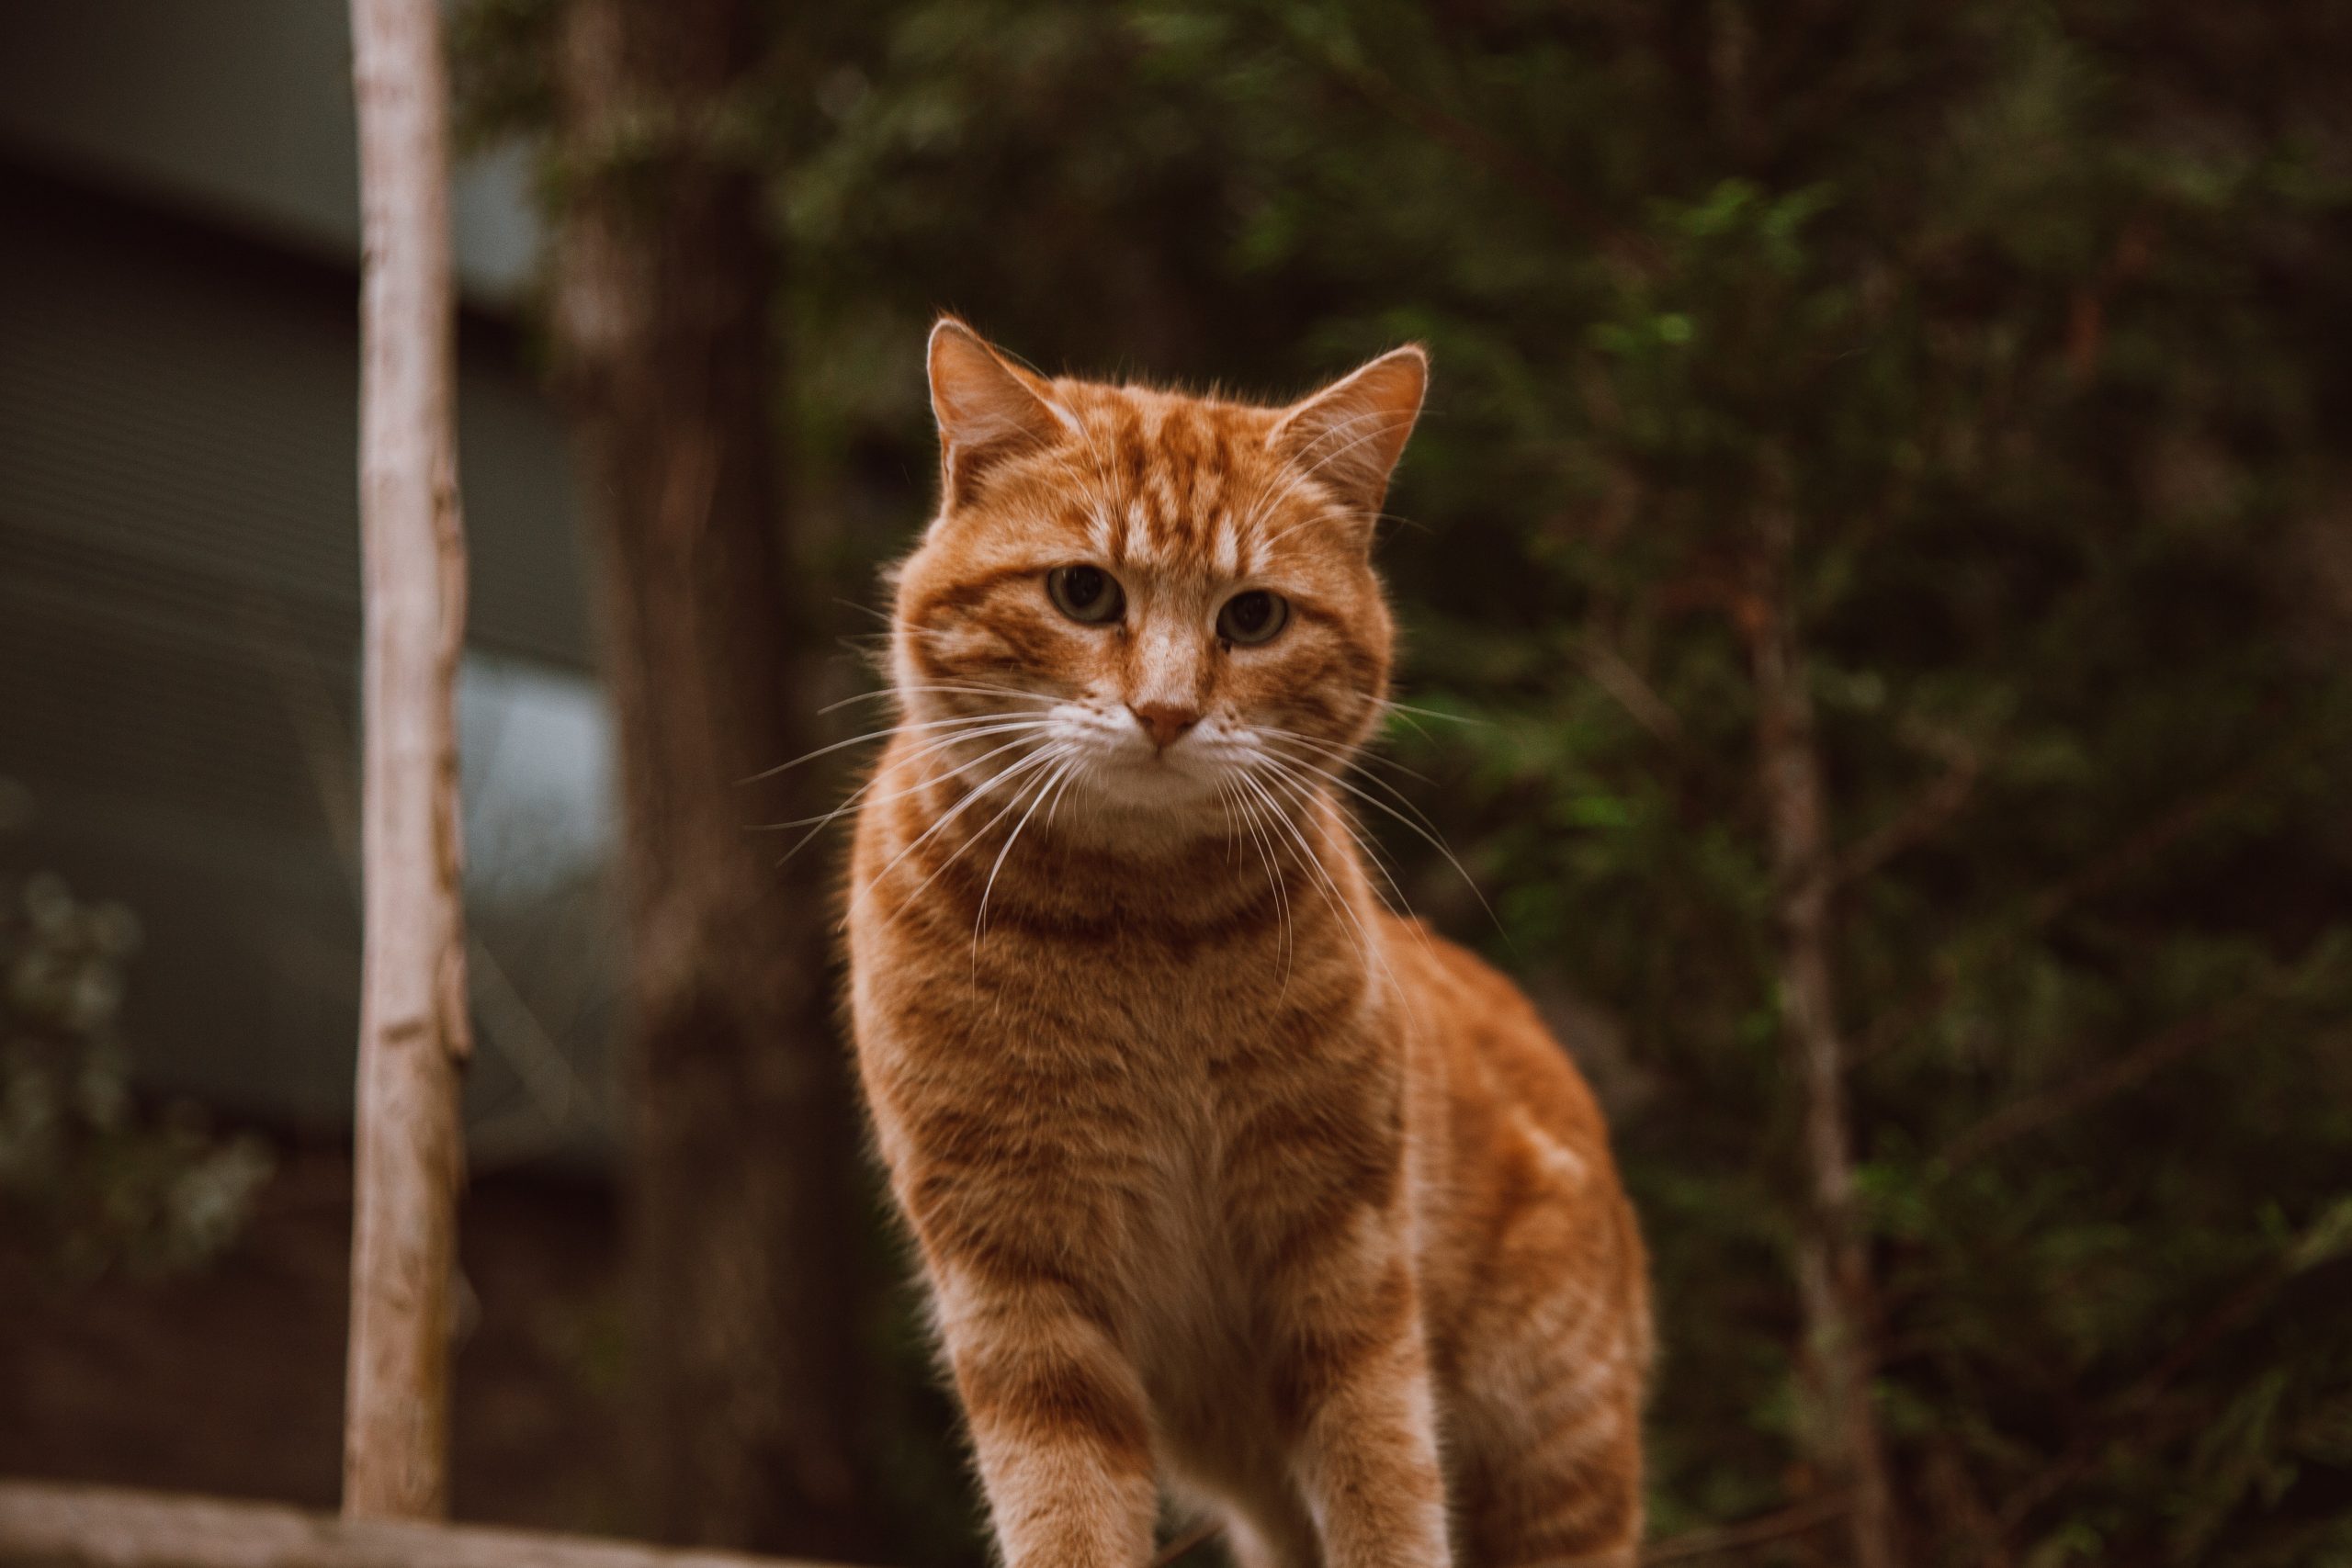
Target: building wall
{"x":179,"y":569}
{"x":238,"y":107}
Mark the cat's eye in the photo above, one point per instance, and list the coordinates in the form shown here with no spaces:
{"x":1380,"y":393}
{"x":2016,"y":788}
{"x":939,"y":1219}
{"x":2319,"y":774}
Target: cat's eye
{"x":1252,"y":617}
{"x":1086,"y":593}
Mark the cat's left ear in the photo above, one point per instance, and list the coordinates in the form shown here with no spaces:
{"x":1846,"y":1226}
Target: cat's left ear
{"x":1350,"y":435}
{"x":988,"y":408}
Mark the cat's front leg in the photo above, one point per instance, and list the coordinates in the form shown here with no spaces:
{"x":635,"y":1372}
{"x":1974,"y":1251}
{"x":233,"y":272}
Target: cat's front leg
{"x":1057,"y":1416}
{"x":1353,"y":1376}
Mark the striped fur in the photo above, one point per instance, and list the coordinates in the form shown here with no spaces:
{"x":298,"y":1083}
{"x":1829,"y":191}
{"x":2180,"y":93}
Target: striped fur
{"x":1225,"y":1179}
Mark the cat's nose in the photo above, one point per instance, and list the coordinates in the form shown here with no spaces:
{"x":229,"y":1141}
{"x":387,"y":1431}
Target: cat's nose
{"x":1164,"y":722}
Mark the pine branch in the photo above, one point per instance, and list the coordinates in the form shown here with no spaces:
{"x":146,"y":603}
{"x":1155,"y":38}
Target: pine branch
{"x":1761,"y":1531}
{"x":1938,"y":804}
{"x":2007,"y":933}
{"x":2126,"y":1071}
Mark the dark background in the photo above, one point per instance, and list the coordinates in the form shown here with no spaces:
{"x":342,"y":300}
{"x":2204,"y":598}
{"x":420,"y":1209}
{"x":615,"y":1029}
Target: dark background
{"x":1945,"y":403}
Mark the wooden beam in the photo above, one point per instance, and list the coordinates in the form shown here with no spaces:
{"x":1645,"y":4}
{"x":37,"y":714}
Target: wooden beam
{"x":414,"y":1034}
{"x":44,"y":1526}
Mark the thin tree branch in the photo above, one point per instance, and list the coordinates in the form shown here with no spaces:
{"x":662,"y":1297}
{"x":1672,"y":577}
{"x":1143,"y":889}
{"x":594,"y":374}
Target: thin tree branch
{"x":2136,"y":1402}
{"x":1760,"y":1531}
{"x":1609,"y":671}
{"x":1483,"y":149}
{"x":2126,"y":1071}
{"x":1836,"y":1289}
{"x":2167,"y":830}
{"x":1936,"y":805}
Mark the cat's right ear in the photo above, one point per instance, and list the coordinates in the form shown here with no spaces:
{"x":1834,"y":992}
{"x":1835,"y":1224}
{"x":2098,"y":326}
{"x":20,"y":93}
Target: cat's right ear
{"x":989,"y":410}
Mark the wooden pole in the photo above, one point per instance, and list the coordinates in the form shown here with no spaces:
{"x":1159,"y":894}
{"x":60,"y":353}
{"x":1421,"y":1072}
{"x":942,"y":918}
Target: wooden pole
{"x":414,"y":1035}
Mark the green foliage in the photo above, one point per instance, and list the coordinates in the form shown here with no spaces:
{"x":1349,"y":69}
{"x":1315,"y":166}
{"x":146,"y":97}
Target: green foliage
{"x":91,"y":1180}
{"x":2028,"y":318}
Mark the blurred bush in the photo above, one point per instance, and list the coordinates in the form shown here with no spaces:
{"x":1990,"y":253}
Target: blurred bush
{"x":92,"y":1180}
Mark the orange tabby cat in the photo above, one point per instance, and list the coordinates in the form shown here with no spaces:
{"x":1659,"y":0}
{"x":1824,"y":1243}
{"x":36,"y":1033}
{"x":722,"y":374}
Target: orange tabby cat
{"x":1223,"y":1176}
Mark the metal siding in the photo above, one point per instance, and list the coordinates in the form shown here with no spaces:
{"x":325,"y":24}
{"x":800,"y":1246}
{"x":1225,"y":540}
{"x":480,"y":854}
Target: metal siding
{"x":179,"y":623}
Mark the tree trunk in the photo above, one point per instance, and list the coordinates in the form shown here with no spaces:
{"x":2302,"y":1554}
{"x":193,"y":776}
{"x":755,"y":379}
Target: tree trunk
{"x":1836,"y":1295}
{"x":413,"y":1034}
{"x":741,"y":1206}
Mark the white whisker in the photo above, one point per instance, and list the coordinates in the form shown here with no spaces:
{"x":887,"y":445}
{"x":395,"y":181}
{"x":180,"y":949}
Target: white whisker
{"x":1433,"y":712}
{"x":1326,"y":884}
{"x":931,"y":747}
{"x":996,"y":781}
{"x":870,"y":735}
{"x":1274,"y":875}
{"x":1306,"y":795}
{"x":1347,"y":759}
{"x":1428,"y":835}
{"x":1060,"y":774}
{"x":1273,"y":872}
{"x":893,"y":692}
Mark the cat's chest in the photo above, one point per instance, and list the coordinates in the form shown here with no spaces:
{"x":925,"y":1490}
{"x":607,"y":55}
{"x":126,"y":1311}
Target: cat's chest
{"x":1190,"y":1234}
{"x":1169,"y":1002}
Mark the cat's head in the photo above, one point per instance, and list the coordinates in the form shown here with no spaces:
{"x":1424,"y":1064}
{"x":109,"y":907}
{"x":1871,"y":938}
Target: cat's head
{"x":1157,"y":601}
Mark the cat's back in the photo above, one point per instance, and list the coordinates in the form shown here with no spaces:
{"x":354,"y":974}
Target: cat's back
{"x":1516,"y":1172}
{"x":1491,"y":1043}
